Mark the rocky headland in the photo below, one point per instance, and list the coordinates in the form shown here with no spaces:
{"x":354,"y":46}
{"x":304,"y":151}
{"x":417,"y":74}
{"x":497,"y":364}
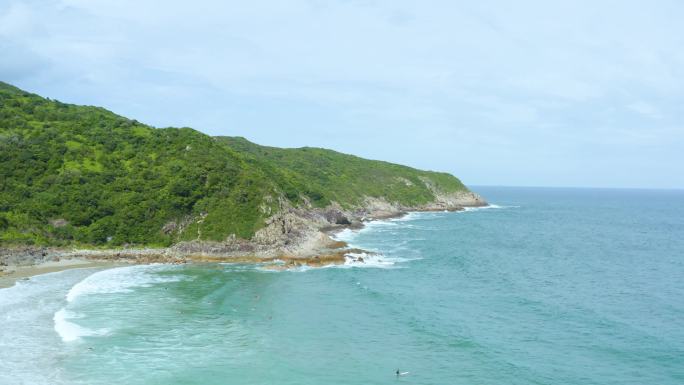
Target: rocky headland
{"x":295,"y":236}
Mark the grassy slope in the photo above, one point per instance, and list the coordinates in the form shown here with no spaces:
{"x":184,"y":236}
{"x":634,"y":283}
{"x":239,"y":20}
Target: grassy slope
{"x":116,"y":181}
{"x":326,"y":176}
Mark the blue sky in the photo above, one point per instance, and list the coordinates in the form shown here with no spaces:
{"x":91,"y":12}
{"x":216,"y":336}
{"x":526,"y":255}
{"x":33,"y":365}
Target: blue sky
{"x":572,"y":93}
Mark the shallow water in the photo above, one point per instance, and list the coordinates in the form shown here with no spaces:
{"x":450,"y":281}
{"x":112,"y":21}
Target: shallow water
{"x":549,"y":286}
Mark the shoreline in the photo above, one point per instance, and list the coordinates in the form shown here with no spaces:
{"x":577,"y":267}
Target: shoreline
{"x":315,"y":246}
{"x":19,"y":273}
{"x":10,"y":274}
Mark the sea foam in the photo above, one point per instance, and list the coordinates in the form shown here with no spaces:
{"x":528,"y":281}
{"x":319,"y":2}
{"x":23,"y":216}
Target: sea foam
{"x":356,"y":260}
{"x":375,"y":259}
{"x":348,"y":235}
{"x":117,"y":280}
{"x":488,"y":207}
{"x":120,"y":280}
{"x":70,"y":331}
{"x":372,"y":260}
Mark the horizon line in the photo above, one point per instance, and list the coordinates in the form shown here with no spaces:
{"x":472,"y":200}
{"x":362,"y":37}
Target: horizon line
{"x":579,"y":187}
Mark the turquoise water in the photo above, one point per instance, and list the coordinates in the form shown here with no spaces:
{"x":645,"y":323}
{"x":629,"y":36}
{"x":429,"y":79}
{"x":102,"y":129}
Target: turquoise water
{"x":549,"y":286}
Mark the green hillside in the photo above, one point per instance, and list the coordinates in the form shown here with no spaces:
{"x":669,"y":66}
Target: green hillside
{"x":325,"y":176}
{"x":82,"y":175}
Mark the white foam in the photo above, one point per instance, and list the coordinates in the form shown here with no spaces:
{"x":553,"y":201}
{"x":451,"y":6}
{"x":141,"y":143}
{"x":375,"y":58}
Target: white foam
{"x":117,"y":280}
{"x":345,"y":235}
{"x":351,"y":260}
{"x":28,"y":347}
{"x":371,"y":260}
{"x":410,"y":216}
{"x":376,"y":259}
{"x":380,"y":223}
{"x":348,"y":235}
{"x":120,"y":280}
{"x":488,"y":207}
{"x":70,"y":331}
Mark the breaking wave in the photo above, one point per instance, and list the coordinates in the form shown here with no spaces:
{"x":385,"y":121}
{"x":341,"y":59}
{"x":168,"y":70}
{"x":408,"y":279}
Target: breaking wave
{"x":121,"y":280}
{"x":488,"y":207}
{"x":70,"y":331}
{"x":116,"y":280}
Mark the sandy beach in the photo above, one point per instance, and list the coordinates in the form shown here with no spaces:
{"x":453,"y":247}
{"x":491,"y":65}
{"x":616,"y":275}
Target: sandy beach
{"x":113,"y":258}
{"x":12,"y":274}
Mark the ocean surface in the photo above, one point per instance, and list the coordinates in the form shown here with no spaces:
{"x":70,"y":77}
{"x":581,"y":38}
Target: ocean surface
{"x":546,"y":286}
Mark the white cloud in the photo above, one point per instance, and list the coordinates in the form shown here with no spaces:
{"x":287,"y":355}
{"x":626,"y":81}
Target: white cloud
{"x":530,"y":76}
{"x":645,"y":108}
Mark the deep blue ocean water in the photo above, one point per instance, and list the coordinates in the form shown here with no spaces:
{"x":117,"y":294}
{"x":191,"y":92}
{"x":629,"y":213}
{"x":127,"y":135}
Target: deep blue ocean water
{"x":548,"y":286}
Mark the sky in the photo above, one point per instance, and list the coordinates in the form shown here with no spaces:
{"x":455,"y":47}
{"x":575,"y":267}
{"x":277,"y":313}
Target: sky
{"x":522,"y":93}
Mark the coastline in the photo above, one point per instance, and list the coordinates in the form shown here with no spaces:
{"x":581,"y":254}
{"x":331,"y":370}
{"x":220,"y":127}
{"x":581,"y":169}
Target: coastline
{"x":293,"y":238}
{"x":18,"y":273}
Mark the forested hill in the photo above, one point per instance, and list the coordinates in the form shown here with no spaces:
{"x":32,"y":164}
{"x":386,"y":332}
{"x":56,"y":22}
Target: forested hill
{"x":324,"y":176}
{"x":79,"y":175}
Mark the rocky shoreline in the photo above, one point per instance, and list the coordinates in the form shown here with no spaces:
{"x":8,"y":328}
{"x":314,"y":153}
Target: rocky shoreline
{"x":295,"y":236}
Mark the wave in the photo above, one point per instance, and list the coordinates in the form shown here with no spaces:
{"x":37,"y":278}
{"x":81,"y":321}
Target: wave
{"x":116,"y":280}
{"x":351,"y":260}
{"x":70,"y":331}
{"x":488,"y":207}
{"x":348,"y":235}
{"x":388,"y":226}
{"x":121,"y":280}
{"x":372,"y":260}
{"x":345,"y":235}
{"x":410,"y":216}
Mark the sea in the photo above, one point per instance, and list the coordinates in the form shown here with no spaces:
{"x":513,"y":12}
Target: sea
{"x":544,"y":286}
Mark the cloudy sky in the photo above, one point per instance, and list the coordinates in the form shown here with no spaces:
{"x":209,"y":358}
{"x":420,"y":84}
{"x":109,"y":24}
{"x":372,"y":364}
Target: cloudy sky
{"x":541,"y":93}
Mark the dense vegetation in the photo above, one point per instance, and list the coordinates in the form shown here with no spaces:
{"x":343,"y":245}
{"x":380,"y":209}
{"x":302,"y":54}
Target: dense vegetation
{"x":83,"y":175}
{"x":324,"y":176}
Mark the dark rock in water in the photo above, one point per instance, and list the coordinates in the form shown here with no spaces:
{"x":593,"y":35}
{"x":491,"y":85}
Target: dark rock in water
{"x":360,"y":259}
{"x":356,"y":225}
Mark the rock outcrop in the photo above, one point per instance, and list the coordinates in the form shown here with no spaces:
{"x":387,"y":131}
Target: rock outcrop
{"x":296,"y":235}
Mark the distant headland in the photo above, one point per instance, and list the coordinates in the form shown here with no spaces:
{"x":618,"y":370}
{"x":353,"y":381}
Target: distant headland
{"x":81,"y":181}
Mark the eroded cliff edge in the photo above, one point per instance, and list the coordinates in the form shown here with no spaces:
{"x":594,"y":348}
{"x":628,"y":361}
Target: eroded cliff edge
{"x":295,"y":236}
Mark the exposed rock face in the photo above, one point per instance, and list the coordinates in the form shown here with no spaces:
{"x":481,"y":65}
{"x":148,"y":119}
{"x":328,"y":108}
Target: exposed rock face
{"x":59,"y":222}
{"x":293,"y":233}
{"x":337,"y":217}
{"x":26,"y":255}
{"x":378,"y":208}
{"x":455,"y":201}
{"x":169,"y":227}
{"x":452,"y":201}
{"x":302,"y":231}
